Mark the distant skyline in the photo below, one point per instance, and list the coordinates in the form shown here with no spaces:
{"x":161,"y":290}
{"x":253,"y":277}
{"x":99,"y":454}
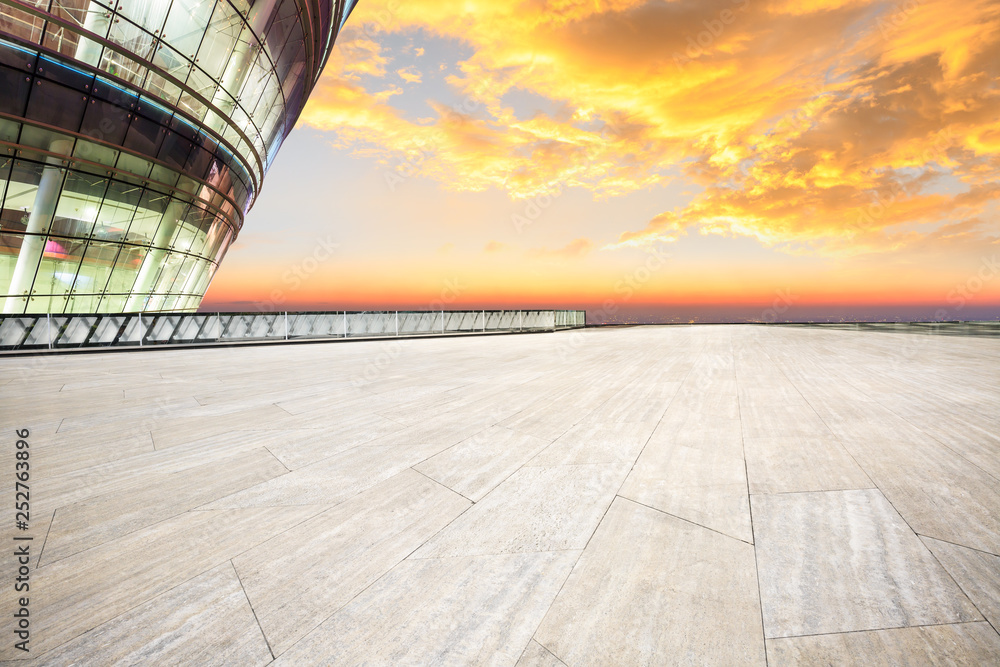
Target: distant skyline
{"x":648,"y":161}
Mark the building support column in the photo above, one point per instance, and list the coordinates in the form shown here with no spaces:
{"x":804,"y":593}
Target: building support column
{"x":42,"y":211}
{"x":97,"y":21}
{"x":153,"y":261}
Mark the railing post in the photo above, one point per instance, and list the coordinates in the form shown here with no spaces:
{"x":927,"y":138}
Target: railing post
{"x":141,"y":332}
{"x":345,"y":324}
{"x":442,"y":321}
{"x":286,"y":325}
{"x":397,"y":323}
{"x":484,"y":321}
{"x":218,"y":320}
{"x":48,"y":328}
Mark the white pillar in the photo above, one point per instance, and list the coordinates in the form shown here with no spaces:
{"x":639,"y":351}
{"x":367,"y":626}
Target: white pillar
{"x":234,"y":76}
{"x":97,"y":21}
{"x":42,"y":211}
{"x":153,"y":260}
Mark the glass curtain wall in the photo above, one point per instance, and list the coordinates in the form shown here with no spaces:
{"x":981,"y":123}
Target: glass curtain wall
{"x":134,"y":137}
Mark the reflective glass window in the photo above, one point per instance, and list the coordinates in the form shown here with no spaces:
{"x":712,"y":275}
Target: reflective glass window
{"x":79,"y":203}
{"x":86,"y":150}
{"x":175,"y":150}
{"x":116,"y":211}
{"x":148,"y":14}
{"x":144,"y":136}
{"x":128,"y":35}
{"x":105,"y":121}
{"x":147,"y":217}
{"x":294,"y":48}
{"x":186,"y":24}
{"x":21,"y":24}
{"x":134,"y":165}
{"x":15,"y":85}
{"x":169,"y":269}
{"x":53,"y":104}
{"x":219,"y":41}
{"x":95,"y":269}
{"x":280,"y":26}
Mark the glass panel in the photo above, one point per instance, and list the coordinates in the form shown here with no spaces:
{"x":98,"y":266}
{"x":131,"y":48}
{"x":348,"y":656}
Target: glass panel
{"x":57,"y":105}
{"x":270,"y":93}
{"x":15,"y":85}
{"x":78,"y":205}
{"x":116,"y":212}
{"x":148,"y":14}
{"x":293,"y":49}
{"x":86,"y":150}
{"x":56,"y":274}
{"x":147,"y":217}
{"x":60,"y":39}
{"x":200,"y":83}
{"x":123,"y":67}
{"x":20,"y":24}
{"x":281,"y":25}
{"x":123,"y":275}
{"x":134,"y":165}
{"x":92,"y":277}
{"x":144,"y":136}
{"x":105,"y":121}
{"x":175,"y":150}
{"x":132,"y":38}
{"x":176,"y":65}
{"x":186,"y":24}
{"x":169,"y":270}
{"x":220,"y":39}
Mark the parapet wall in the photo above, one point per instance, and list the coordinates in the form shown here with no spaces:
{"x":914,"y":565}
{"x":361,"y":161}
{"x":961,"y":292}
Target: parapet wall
{"x":60,"y":332}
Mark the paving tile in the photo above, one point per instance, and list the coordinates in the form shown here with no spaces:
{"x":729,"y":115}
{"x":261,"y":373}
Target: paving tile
{"x":976,"y":572}
{"x":590,"y":442}
{"x":790,"y":464}
{"x":301,"y":447}
{"x":941,"y":495}
{"x":475,"y":466}
{"x":332,"y":480}
{"x":205,"y":621}
{"x":960,"y":644}
{"x":297,"y":580}
{"x":709,"y":489}
{"x":764,"y":419}
{"x":839,"y":561}
{"x":698,"y":430}
{"x":651,"y":589}
{"x":915,"y":413}
{"x":536,"y":655}
{"x":535,"y":509}
{"x":447,"y":611}
{"x":636,"y":402}
{"x":89,"y":588}
{"x":106,"y":517}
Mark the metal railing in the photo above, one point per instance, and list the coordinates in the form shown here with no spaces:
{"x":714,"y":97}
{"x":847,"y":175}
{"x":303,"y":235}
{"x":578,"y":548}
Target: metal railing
{"x":57,"y":332}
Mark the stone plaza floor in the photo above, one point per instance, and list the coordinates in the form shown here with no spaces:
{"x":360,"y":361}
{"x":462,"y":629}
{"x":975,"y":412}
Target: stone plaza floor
{"x":723,"y":495}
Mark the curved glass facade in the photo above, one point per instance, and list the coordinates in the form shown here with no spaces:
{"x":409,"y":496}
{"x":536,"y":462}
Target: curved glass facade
{"x":135,"y":135}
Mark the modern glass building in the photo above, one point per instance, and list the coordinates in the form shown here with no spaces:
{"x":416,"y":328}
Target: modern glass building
{"x":134,"y":137}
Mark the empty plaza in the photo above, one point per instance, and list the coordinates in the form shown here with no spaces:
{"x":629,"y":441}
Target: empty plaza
{"x":704,"y":494}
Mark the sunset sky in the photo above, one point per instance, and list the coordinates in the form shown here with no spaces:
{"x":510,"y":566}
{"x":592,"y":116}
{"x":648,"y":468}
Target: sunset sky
{"x":649,"y":161}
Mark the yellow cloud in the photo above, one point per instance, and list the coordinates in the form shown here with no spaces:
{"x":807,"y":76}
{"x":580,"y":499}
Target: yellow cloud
{"x":572,"y":250}
{"x":840,"y":126}
{"x":409,"y":75}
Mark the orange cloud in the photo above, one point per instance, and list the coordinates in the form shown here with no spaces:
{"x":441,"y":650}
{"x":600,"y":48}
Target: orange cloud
{"x":829,"y":126}
{"x":573,"y":250}
{"x":495,"y":246}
